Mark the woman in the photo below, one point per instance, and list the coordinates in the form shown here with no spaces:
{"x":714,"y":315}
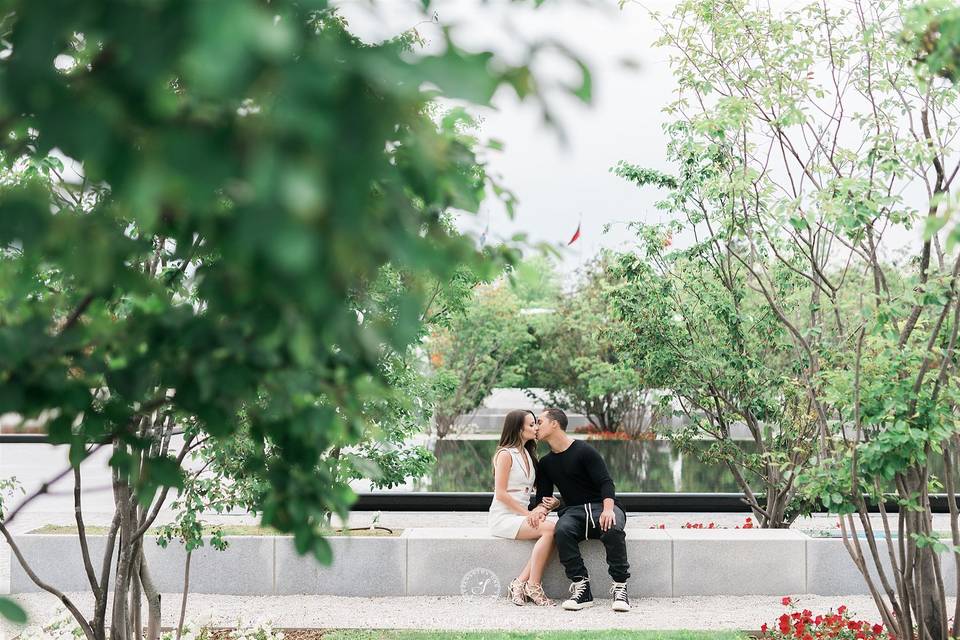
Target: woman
{"x":515,"y":474}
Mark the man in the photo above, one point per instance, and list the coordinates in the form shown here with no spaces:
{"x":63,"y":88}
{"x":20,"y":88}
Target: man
{"x":590,"y":510}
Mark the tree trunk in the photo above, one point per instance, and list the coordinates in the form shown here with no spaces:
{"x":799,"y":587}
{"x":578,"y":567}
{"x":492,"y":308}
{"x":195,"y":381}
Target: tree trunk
{"x":122,"y":498}
{"x":444,"y":424}
{"x":186,"y":590}
{"x":100,"y":606}
{"x":118,"y":619}
{"x":136,"y":629}
{"x":153,"y":602}
{"x":929,"y":593}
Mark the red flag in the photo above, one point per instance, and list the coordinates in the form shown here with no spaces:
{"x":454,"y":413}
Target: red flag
{"x":575,"y":236}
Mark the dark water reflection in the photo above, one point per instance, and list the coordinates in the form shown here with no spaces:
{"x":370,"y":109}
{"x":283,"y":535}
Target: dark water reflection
{"x":649,"y":466}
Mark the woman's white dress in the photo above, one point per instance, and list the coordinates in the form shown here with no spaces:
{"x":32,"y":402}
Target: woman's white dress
{"x":504,"y":523}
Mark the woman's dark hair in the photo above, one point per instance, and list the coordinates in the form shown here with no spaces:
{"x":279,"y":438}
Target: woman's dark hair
{"x":510,"y":435}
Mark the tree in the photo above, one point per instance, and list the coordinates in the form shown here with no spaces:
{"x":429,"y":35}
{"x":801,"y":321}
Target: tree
{"x":536,"y":282}
{"x":470,"y":356}
{"x":193,"y":199}
{"x":696,"y":329}
{"x":824,"y":147}
{"x":578,"y":360}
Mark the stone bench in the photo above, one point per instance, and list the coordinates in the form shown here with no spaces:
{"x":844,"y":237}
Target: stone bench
{"x":455,"y":561}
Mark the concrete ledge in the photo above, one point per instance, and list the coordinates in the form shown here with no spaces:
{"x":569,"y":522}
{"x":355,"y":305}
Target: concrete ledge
{"x":738,"y":562}
{"x":245,"y":567}
{"x":830,"y":569}
{"x":55,"y":559}
{"x":361,"y":567}
{"x":442,"y":561}
{"x":451,"y":561}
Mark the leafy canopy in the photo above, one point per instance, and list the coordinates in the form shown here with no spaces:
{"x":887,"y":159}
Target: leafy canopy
{"x":196,"y":198}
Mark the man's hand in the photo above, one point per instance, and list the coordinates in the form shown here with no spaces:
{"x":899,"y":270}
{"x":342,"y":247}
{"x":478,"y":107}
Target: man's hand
{"x":607,"y":519}
{"x":536,"y":516}
{"x":550,"y":503}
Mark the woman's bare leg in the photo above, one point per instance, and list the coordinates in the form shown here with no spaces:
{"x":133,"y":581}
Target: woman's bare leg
{"x":541,"y":553}
{"x":525,"y":574}
{"x":533,"y":570}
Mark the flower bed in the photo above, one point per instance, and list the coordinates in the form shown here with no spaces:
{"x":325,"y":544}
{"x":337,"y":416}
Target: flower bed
{"x":804,"y":625}
{"x":595,"y":433}
{"x":63,"y":626}
{"x":747,"y":524}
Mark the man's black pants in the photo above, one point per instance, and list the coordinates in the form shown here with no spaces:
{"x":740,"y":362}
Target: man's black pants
{"x":575,"y":525}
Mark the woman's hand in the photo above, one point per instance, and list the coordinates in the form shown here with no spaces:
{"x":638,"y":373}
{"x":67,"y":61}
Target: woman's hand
{"x":550,"y":503}
{"x":536,"y":517}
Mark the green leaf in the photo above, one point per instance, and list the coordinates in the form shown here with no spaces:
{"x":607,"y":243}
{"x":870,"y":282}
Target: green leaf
{"x":953,"y":238}
{"x":799,"y":223}
{"x":12,"y":611}
{"x":933,"y":224}
{"x":585,"y":90}
{"x":459,"y":74}
{"x":322,"y":551}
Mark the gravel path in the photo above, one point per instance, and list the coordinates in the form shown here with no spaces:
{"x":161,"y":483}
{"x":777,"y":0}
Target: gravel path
{"x":713,"y":612}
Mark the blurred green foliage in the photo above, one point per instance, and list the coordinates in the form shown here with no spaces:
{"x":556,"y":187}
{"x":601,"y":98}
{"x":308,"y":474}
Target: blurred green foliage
{"x":203,"y":209}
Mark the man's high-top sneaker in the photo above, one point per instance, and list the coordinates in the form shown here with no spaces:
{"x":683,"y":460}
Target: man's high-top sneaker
{"x":620,"y":600}
{"x":580,"y":597}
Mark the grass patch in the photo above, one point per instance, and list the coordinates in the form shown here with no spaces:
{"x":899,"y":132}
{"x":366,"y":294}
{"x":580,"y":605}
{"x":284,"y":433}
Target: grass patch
{"x":378,"y":634}
{"x":228,"y":530}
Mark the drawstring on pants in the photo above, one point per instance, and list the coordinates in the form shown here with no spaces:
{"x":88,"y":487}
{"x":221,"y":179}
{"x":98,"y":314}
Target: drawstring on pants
{"x":586,"y":524}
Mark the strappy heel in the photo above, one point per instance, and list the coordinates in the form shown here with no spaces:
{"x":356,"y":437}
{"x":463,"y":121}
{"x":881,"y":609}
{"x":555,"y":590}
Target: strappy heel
{"x":518,"y":592}
{"x":536,"y":595}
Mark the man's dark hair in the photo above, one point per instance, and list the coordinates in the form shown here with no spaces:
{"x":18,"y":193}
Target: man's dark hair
{"x":557,"y":414}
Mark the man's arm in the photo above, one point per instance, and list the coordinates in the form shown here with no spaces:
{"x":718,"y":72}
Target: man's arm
{"x":599,"y":475}
{"x":544,"y":488}
{"x":597,"y":469}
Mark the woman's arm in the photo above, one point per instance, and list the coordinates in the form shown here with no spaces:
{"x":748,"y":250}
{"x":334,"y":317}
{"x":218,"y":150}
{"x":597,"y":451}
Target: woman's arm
{"x":501,"y":474}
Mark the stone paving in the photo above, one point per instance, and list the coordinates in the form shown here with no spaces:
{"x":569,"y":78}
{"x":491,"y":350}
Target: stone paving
{"x":456,"y":612}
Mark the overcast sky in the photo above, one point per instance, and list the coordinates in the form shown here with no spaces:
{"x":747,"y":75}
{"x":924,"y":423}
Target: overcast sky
{"x":557,"y":184}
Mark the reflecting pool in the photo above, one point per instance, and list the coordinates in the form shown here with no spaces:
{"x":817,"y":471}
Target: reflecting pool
{"x":648,"y":466}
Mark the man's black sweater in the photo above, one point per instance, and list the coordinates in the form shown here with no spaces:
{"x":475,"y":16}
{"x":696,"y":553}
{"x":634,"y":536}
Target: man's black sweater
{"x":580,"y":474}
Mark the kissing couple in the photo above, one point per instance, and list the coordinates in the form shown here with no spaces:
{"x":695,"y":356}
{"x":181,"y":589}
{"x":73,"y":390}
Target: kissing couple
{"x":523,"y":496}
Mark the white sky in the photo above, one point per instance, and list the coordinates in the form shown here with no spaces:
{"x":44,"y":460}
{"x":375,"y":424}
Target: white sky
{"x":557,"y":184}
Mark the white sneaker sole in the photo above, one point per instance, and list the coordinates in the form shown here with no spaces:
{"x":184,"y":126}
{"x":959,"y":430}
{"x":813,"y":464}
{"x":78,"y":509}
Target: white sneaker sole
{"x":572,"y":606}
{"x":620,"y":606}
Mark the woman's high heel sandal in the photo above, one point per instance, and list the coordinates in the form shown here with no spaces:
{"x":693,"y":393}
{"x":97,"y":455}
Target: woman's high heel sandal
{"x":517,"y":590}
{"x":536,"y":595}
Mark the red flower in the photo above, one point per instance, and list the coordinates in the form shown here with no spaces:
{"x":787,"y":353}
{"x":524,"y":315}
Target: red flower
{"x":786,"y":601}
{"x":784,"y":623}
{"x":841,"y":609}
{"x":877,"y":629}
